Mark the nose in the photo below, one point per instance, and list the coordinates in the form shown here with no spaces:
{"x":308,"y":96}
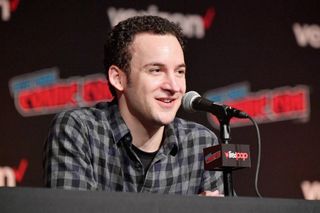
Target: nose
{"x":172,"y":82}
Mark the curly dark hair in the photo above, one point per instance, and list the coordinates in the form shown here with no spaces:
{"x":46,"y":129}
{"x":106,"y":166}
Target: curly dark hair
{"x":116,"y":51}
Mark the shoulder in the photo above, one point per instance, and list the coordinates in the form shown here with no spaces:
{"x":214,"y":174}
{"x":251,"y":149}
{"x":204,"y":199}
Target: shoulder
{"x":195,"y":132}
{"x":81,"y":116}
{"x":190,"y":127}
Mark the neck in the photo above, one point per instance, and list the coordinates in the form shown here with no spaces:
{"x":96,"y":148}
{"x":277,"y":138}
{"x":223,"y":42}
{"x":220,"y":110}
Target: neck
{"x":146,"y":141}
{"x":145,"y":136}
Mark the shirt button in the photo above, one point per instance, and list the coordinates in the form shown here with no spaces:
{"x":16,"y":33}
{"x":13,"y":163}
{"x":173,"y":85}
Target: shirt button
{"x":137,"y":165}
{"x":127,"y":138}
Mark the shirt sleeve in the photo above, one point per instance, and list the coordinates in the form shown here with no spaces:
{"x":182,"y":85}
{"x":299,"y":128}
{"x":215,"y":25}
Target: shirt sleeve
{"x":67,"y":161}
{"x":212,"y":180}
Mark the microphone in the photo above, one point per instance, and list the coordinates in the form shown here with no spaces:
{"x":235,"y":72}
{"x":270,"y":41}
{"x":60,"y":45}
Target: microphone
{"x":192,"y":102}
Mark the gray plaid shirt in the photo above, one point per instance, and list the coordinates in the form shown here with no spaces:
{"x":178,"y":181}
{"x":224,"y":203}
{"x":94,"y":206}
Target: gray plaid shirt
{"x":90,"y":148}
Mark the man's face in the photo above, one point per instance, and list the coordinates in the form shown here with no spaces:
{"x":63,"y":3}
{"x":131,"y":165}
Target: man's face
{"x":156,"y":83}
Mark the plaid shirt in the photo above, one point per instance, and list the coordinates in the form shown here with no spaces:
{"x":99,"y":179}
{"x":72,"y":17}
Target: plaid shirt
{"x":90,"y":148}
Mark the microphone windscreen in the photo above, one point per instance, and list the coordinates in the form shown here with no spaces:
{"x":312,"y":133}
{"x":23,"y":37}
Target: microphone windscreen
{"x":188,"y":99}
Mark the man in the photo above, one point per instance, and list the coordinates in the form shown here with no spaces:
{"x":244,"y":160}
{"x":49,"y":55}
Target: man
{"x":134,"y":143}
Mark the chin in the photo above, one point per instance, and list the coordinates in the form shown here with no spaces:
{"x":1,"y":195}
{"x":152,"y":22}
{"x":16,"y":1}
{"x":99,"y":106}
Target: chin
{"x":166,"y":121}
{"x":165,"y":118}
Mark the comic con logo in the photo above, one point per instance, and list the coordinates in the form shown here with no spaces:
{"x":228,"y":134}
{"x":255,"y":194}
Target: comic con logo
{"x":269,"y":105}
{"x":193,"y":25}
{"x":212,"y":157}
{"x":43,"y":92}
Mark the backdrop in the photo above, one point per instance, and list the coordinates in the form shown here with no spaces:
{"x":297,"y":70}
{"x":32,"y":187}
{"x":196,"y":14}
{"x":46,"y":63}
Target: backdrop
{"x":260,"y":56}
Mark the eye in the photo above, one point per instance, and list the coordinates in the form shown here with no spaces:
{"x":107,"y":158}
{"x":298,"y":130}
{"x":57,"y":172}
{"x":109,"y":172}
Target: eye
{"x":155,"y":70}
{"x":181,"y":72}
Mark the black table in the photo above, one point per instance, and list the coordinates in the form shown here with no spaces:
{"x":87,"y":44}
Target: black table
{"x":35,"y":200}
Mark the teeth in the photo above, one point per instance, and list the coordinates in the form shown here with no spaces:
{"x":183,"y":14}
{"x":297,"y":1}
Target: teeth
{"x":166,"y":100}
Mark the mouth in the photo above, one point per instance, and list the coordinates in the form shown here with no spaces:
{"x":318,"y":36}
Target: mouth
{"x":166,"y":100}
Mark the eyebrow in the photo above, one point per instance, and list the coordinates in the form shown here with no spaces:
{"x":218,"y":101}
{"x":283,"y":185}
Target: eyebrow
{"x":163,"y":65}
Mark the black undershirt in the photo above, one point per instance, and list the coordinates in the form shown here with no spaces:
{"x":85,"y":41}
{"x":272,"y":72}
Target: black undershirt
{"x":145,"y":157}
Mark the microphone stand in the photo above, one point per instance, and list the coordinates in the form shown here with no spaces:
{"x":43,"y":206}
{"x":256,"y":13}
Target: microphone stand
{"x":224,"y":121}
{"x":214,"y":158}
{"x":224,"y":114}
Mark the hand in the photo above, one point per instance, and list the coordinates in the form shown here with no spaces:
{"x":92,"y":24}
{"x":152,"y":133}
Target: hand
{"x":215,"y":193}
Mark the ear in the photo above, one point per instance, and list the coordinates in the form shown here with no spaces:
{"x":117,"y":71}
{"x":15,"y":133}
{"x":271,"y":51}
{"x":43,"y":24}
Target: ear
{"x":117,"y":77}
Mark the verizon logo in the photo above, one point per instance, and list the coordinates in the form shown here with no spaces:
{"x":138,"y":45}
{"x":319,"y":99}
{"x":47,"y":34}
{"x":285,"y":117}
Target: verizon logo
{"x":307,"y":34}
{"x":311,"y":190}
{"x":193,"y":25}
{"x":9,"y":176}
{"x":6,"y":7}
{"x":236,"y":155}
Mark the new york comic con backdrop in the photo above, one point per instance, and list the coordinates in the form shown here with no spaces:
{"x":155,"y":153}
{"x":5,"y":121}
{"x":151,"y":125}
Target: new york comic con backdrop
{"x":260,"y":56}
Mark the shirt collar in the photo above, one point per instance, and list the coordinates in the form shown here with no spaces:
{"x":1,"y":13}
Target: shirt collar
{"x":171,"y":144}
{"x":118,"y":127}
{"x":120,"y":130}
